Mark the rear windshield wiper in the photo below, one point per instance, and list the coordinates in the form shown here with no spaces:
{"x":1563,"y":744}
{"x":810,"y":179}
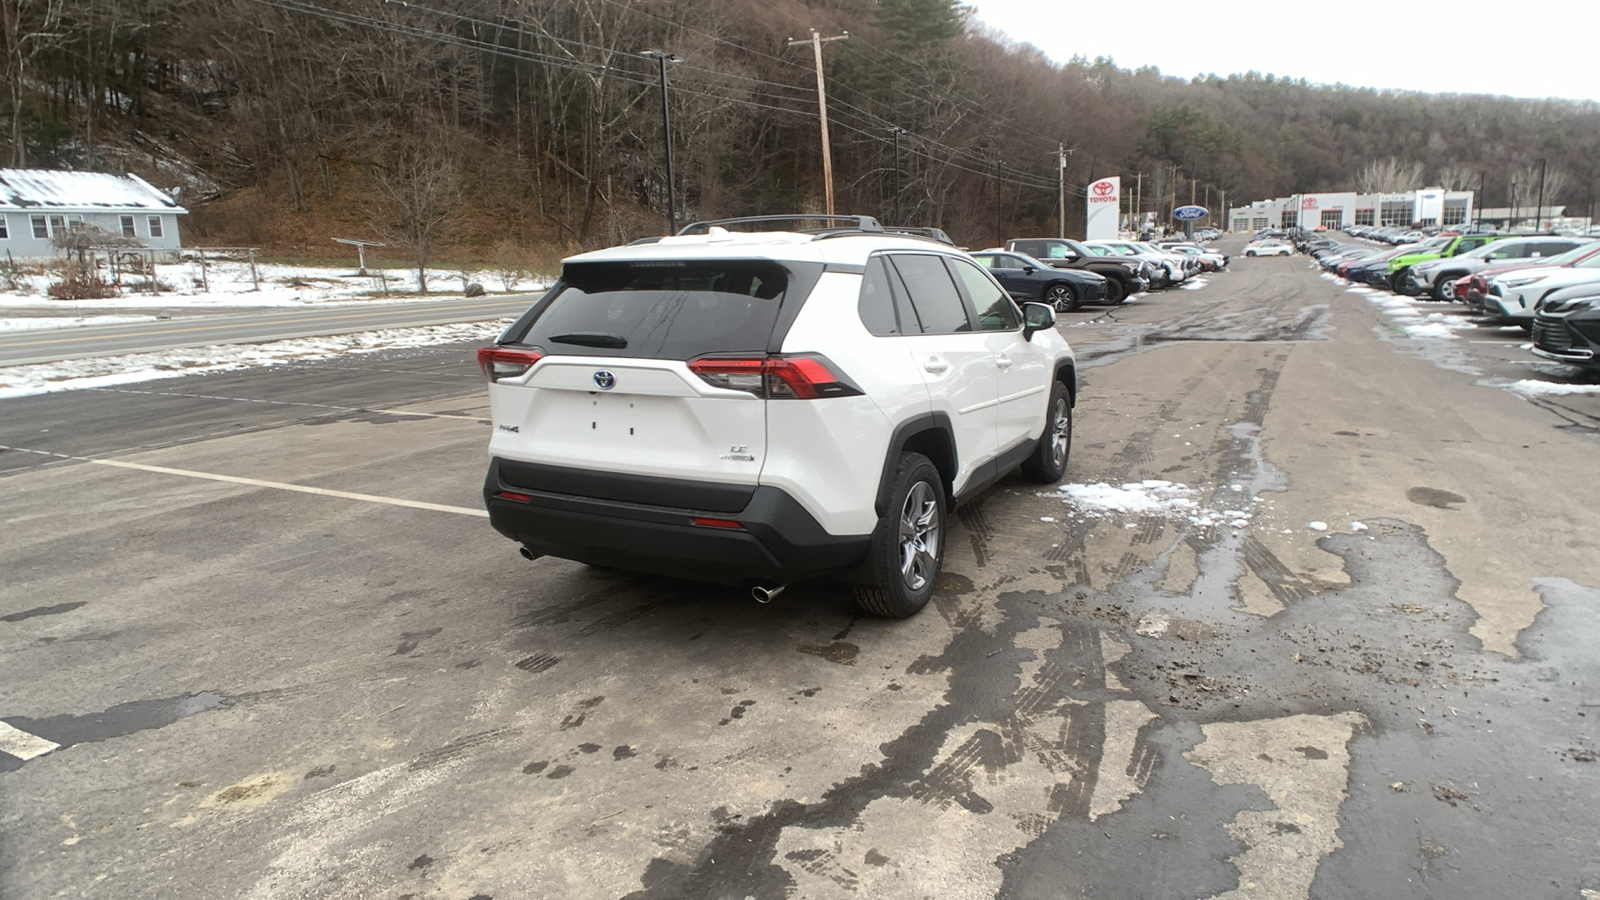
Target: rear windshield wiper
{"x":592,"y":339}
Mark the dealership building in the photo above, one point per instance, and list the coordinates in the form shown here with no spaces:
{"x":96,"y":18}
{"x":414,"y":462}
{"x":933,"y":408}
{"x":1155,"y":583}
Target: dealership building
{"x":1334,"y":211}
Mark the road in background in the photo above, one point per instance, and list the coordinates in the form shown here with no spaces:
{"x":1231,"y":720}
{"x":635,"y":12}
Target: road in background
{"x":1337,"y":641}
{"x":257,"y":326}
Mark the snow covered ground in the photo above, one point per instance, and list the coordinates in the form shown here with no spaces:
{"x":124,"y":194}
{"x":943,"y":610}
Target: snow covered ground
{"x":77,"y":374}
{"x":228,"y":284}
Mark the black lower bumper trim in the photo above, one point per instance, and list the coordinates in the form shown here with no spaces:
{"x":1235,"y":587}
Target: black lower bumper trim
{"x":778,"y":540}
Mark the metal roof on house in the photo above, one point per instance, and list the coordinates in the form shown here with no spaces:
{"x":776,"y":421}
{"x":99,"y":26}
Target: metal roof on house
{"x":33,"y":189}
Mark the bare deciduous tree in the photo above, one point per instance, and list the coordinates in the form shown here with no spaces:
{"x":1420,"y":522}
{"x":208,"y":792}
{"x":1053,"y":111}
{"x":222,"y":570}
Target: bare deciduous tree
{"x":421,"y":189}
{"x":1389,"y":176}
{"x":1457,"y":177}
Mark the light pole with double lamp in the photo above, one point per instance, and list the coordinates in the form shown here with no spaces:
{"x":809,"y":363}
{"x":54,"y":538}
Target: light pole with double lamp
{"x":662,"y":57}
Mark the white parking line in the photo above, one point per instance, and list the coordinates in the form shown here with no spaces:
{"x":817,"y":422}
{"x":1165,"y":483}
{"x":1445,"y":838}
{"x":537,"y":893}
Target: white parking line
{"x":22,"y":745}
{"x":300,"y":488}
{"x":256,"y":482}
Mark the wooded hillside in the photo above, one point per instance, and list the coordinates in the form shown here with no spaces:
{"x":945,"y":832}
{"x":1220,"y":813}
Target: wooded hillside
{"x":537,"y":120}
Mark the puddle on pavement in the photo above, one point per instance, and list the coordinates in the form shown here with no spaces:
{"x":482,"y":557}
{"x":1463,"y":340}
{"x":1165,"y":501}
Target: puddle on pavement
{"x":124,"y":718}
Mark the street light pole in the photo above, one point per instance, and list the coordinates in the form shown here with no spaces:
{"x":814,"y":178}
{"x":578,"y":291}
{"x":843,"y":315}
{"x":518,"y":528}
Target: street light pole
{"x":1538,"y":211}
{"x":662,"y":57}
{"x":1479,"y":199}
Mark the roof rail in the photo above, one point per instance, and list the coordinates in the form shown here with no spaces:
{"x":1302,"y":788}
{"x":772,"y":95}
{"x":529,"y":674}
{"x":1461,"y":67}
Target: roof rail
{"x":856,"y":223}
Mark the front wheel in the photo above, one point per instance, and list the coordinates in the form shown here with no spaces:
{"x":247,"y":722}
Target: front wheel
{"x":908,"y":544}
{"x":1249,"y":253}
{"x":1401,"y":283}
{"x":1115,"y":291}
{"x":1049,"y":459}
{"x":1061,"y":296}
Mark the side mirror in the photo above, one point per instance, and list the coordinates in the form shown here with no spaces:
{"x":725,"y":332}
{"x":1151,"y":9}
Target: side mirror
{"x":1036,"y":317}
{"x":1028,"y":270}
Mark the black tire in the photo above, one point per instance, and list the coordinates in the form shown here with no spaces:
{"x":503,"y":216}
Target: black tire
{"x":908,"y":544}
{"x":1116,"y":291}
{"x":1444,"y":284}
{"x":1049,"y":459}
{"x":1060,"y":295}
{"x":1400,"y":282}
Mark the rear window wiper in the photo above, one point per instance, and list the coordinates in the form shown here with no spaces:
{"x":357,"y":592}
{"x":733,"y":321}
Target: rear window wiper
{"x":592,"y":339}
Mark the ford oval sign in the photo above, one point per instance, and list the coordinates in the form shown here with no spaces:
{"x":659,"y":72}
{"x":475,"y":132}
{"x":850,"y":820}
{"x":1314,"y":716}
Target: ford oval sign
{"x":1190,"y":213}
{"x":604,"y":380}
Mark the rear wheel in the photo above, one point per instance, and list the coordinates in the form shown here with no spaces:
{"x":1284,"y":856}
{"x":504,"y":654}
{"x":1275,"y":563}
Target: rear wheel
{"x":1061,"y":296}
{"x":1049,"y":459}
{"x":908,"y":544}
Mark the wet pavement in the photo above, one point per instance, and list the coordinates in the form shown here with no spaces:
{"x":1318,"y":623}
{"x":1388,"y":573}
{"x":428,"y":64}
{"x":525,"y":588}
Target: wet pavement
{"x":248,"y":688}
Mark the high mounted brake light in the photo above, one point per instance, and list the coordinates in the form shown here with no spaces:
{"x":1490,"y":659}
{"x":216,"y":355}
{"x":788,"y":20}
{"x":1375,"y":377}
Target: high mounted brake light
{"x":775,"y":377}
{"x":506,"y":362}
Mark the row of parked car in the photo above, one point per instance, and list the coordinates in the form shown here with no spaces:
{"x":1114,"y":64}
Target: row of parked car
{"x":1547,"y":284}
{"x":1067,"y":273}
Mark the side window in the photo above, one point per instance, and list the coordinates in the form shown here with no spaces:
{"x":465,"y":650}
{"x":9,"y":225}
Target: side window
{"x":41,"y":231}
{"x":155,"y":226}
{"x":933,"y":294}
{"x":995,"y":310}
{"x":1506,"y":250}
{"x":5,"y":228}
{"x":877,"y":300}
{"x":127,"y":226}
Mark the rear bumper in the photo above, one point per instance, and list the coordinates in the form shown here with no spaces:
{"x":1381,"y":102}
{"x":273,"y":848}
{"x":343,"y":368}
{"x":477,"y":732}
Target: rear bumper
{"x":777,"y":539}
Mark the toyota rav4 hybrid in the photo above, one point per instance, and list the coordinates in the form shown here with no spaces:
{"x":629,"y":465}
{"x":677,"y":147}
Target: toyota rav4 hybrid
{"x":755,"y":408}
{"x":1437,"y":277}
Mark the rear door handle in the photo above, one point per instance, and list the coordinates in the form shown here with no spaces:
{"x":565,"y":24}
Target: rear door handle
{"x":1002,"y":362}
{"x":935,"y":365}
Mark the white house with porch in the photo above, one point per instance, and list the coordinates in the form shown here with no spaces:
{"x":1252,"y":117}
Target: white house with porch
{"x":38,"y":204}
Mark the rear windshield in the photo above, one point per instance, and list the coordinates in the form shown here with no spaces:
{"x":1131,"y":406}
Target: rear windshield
{"x":657,"y":310}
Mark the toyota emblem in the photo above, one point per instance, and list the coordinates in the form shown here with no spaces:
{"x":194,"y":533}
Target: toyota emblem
{"x":1102,"y":188}
{"x":604,"y":380}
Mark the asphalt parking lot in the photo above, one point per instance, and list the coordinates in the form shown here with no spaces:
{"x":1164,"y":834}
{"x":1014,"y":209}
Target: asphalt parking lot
{"x":260,"y":641}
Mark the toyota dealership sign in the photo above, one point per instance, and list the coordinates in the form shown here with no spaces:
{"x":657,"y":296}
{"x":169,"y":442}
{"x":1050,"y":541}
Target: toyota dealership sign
{"x":1104,"y":207}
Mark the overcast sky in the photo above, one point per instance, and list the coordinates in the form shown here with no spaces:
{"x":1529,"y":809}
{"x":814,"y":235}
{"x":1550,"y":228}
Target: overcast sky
{"x":1473,"y":47}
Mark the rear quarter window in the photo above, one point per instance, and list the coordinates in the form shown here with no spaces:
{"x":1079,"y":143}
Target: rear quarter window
{"x":656,"y":310}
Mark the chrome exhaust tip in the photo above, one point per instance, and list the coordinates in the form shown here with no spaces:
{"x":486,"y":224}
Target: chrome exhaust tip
{"x":765,"y":594}
{"x":528,"y":554}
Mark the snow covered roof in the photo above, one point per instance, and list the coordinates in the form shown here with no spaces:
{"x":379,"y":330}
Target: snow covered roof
{"x":33,"y":189}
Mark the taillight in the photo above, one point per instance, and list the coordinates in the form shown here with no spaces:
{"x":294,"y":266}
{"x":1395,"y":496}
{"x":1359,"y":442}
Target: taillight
{"x":506,"y":362}
{"x":775,"y":377}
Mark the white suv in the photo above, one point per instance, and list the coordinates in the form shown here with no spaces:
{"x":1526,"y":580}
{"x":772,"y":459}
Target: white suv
{"x":761,"y":407}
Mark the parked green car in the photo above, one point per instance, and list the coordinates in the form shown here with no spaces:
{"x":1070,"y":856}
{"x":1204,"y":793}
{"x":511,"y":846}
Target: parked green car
{"x":1400,"y":267}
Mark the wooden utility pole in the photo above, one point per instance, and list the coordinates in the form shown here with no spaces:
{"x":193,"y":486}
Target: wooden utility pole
{"x":1061,"y":191}
{"x":816,"y":43}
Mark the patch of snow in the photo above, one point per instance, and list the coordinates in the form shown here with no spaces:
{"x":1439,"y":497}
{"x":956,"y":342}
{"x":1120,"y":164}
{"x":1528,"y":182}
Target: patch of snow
{"x":1429,"y":330}
{"x":1358,"y":526}
{"x":1532,"y":388}
{"x":80,"y":374}
{"x":227,"y":283}
{"x":35,"y":322}
{"x":1317,"y":526}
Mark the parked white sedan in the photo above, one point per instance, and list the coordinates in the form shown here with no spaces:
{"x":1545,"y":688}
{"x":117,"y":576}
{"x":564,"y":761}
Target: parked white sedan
{"x":1269,"y":248}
